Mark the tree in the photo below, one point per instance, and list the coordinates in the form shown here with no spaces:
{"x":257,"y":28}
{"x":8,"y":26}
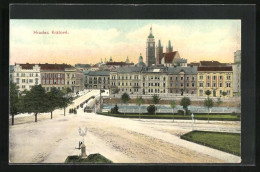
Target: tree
{"x":209,"y":104}
{"x":13,"y":100}
{"x":125,"y":98}
{"x":54,"y":98}
{"x":224,"y":93}
{"x":208,"y":92}
{"x":34,"y":101}
{"x":139,"y":102}
{"x":173,"y":105}
{"x":66,"y":99}
{"x":151,"y":109}
{"x":156,"y":99}
{"x":185,"y":102}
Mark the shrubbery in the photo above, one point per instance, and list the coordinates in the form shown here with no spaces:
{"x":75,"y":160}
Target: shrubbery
{"x":180,"y":112}
{"x":151,"y":109}
{"x":114,"y":110}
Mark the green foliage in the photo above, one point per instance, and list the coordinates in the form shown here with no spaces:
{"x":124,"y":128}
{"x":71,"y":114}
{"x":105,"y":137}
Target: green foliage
{"x":114,"y":110}
{"x":139,"y":101}
{"x":125,"y":98}
{"x":224,"y":93}
{"x":208,"y":103}
{"x":13,"y":107}
{"x":172,"y":104}
{"x":219,"y":102}
{"x":208,"y":92}
{"x":151,"y":109}
{"x":54,"y":98}
{"x":185,"y":102}
{"x":156,"y":99}
{"x":180,"y":112}
{"x":228,"y":142}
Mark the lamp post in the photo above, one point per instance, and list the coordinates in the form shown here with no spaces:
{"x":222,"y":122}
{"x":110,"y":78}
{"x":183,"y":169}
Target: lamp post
{"x":192,"y":118}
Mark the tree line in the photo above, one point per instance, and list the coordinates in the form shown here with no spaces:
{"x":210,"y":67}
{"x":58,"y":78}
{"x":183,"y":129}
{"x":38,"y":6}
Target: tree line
{"x":37,"y":100}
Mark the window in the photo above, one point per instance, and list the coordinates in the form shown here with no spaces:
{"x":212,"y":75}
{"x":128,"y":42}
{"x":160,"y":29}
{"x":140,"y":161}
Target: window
{"x":193,"y":78}
{"x":43,"y":81}
{"x":187,"y":78}
{"x":163,"y":78}
{"x":31,"y":80}
{"x":143,"y":84}
{"x":201,"y":84}
{"x":208,"y":77}
{"x":214,"y":77}
{"x":220,"y":77}
{"x":201,"y":77}
{"x":181,"y":84}
{"x":181,"y":78}
{"x":47,"y":88}
{"x":55,"y":75}
{"x":228,"y":77}
{"x":171,"y":78}
{"x":214,"y":84}
{"x":17,"y":74}
{"x":208,"y":85}
{"x":187,"y":84}
{"x":192,"y":84}
{"x":220,"y":84}
{"x":47,"y":81}
{"x":176,"y":78}
{"x":23,"y":86}
{"x":58,"y":81}
{"x":163,"y":84}
{"x":201,"y":93}
{"x":23,"y":80}
{"x":228,"y":84}
{"x":58,"y":75}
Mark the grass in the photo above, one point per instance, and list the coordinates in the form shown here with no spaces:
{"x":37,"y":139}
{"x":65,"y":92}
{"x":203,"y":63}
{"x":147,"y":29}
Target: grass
{"x":92,"y":158}
{"x":218,"y":117}
{"x":227,"y":142}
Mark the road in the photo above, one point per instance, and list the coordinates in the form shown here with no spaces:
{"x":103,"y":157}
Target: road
{"x":119,"y":139}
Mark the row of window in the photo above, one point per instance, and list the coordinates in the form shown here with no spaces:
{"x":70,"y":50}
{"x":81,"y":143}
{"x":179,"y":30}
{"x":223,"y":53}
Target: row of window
{"x":130,"y":90}
{"x":181,"y":91}
{"x":98,"y":78}
{"x":214,"y":77}
{"x":155,"y":91}
{"x":51,"y":75}
{"x":52,"y":81}
{"x":27,"y":74}
{"x":130,"y":84}
{"x":181,"y":84}
{"x":228,"y":84}
{"x":49,"y":88}
{"x":187,"y":78}
{"x":220,"y":92}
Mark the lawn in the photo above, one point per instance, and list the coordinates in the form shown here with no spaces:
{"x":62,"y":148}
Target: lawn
{"x":227,"y":142}
{"x":92,"y":158}
{"x":216,"y":117}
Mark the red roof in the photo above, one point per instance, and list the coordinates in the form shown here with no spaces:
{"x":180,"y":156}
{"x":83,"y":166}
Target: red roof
{"x":211,"y":63}
{"x":223,"y":68}
{"x":168,"y":57}
{"x":46,"y":66}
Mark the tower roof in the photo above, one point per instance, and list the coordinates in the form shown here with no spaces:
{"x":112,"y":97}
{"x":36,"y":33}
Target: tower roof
{"x":159,"y":43}
{"x":169,"y":44}
{"x":151,"y":33}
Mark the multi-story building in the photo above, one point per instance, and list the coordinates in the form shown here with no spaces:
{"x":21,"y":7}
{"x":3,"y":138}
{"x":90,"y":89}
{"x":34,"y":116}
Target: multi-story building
{"x":11,"y":73}
{"x":154,"y":81}
{"x":215,"y":79}
{"x":182,"y":80}
{"x":126,"y":79}
{"x":53,"y":75}
{"x":97,"y":79}
{"x":74,"y":79}
{"x":237,"y":72}
{"x":26,"y":76}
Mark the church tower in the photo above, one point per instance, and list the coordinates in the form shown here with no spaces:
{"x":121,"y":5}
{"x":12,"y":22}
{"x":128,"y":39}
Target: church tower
{"x":159,"y":53}
{"x":169,"y":49}
{"x":150,"y":49}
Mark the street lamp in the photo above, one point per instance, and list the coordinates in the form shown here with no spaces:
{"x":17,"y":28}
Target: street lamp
{"x":192,"y":118}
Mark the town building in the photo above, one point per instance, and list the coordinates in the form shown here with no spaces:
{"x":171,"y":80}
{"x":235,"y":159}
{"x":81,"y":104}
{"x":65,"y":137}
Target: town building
{"x":216,"y":79}
{"x":182,"y":80}
{"x":74,"y":79}
{"x":97,"y":79}
{"x":173,"y":59}
{"x":237,"y":72}
{"x":26,"y":76}
{"x":150,"y":49}
{"x":11,"y":73}
{"x":53,"y":75}
{"x":126,"y":79}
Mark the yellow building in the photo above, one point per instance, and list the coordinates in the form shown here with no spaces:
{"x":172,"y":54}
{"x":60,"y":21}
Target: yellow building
{"x":215,"y":79}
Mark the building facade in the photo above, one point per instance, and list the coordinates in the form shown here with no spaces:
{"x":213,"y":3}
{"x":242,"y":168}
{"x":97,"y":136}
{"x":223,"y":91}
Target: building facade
{"x":150,"y":49}
{"x":237,"y":72}
{"x":26,"y":76}
{"x":74,"y":79}
{"x":97,"y":80}
{"x":215,"y":79}
{"x":182,"y":80}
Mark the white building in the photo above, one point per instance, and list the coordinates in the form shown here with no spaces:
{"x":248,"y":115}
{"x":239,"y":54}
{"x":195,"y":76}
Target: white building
{"x":237,"y":72}
{"x":26,"y":76}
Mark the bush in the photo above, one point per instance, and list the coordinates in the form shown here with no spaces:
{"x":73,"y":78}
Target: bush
{"x":114,"y":110}
{"x":151,"y":109}
{"x":180,"y":112}
{"x":188,"y":112}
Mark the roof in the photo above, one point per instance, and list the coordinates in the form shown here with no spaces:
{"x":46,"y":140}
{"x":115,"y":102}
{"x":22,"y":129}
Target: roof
{"x":194,"y":64}
{"x":98,"y":73}
{"x":128,"y":69}
{"x":119,"y":63}
{"x":168,"y":57}
{"x":46,"y":66}
{"x":222,"y":68}
{"x":86,"y":72}
{"x":154,"y":69}
{"x":186,"y":70}
{"x":211,"y":63}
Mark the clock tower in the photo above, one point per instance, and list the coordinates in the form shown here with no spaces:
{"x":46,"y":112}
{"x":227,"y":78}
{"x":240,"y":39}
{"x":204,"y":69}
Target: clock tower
{"x":150,"y":49}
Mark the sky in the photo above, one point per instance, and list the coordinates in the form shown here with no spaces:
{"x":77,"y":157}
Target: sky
{"x":88,"y":41}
